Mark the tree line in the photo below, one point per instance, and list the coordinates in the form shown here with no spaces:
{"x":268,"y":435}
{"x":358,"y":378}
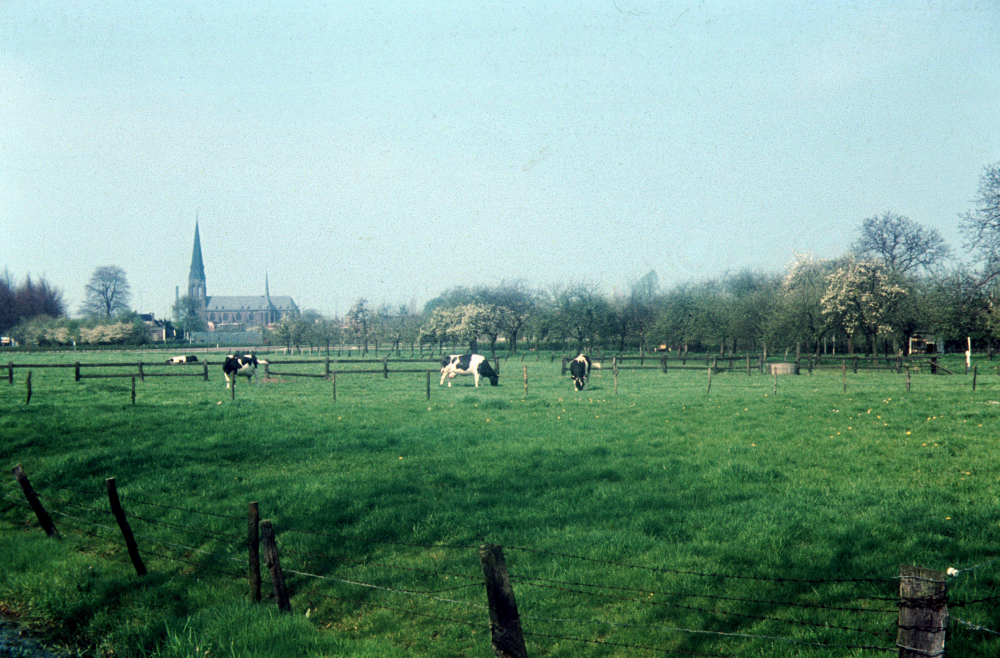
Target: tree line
{"x":899,"y":280}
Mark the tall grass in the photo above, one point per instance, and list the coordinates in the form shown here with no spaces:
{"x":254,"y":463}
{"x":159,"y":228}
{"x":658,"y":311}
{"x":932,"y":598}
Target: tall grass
{"x":640,"y":508}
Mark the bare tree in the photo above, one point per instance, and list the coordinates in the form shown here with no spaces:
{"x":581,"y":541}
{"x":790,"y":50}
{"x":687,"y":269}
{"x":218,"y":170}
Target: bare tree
{"x":902,"y":244}
{"x":981,"y":225}
{"x":107,"y":293}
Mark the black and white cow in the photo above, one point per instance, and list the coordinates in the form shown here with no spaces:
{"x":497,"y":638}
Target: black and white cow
{"x":182,"y":359}
{"x":467,"y":364}
{"x":579,"y":370}
{"x":240,"y":365}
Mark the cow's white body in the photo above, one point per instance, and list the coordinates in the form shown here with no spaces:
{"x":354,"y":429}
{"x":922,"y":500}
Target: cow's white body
{"x":182,"y":359}
{"x":467,"y":364}
{"x":579,"y":370}
{"x":240,"y":365}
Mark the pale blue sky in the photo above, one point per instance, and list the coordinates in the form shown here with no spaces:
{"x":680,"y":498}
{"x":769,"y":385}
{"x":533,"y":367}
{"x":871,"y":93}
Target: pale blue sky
{"x":394,"y":150}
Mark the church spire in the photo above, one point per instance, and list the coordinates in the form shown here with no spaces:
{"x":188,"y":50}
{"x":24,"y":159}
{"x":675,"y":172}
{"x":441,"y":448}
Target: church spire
{"x":196,"y":279}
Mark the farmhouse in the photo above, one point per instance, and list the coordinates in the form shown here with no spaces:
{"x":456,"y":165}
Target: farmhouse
{"x":234,"y":313}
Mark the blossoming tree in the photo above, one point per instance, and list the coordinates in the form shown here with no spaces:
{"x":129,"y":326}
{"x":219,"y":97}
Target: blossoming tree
{"x":861,"y":297}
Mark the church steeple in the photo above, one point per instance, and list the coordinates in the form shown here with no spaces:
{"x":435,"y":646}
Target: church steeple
{"x":196,"y":279}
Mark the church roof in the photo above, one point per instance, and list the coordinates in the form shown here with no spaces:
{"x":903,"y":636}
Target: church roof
{"x":197,"y":265}
{"x":230,"y":303}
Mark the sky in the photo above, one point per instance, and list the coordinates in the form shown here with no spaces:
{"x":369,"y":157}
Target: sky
{"x":393,"y":150}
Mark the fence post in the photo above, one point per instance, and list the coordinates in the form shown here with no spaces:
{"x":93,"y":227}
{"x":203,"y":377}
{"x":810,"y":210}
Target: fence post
{"x":563,"y":374}
{"x":614,"y":368}
{"x":843,"y":366}
{"x":133,"y":391}
{"x":27,"y":383}
{"x":267,"y":370}
{"x":923,"y":612}
{"x":274,"y":565}
{"x":142,"y":375}
{"x":907,"y":379}
{"x":775,"y":382}
{"x":748,"y":364}
{"x":333,"y":379}
{"x":664,"y":360}
{"x":505,"y":623}
{"x":525,"y":381}
{"x":43,"y":517}
{"x":975,"y":372}
{"x":428,"y":384}
{"x":77,"y":371}
{"x":232,"y":391}
{"x":116,"y":509}
{"x":709,"y":391}
{"x":934,"y":364}
{"x":10,"y":372}
{"x":253,"y":551}
{"x":326,"y":368}
{"x":385,"y":366}
{"x":206,"y":369}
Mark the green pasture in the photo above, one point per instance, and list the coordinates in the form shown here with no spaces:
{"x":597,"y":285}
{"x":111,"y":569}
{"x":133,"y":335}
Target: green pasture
{"x":774,"y":520}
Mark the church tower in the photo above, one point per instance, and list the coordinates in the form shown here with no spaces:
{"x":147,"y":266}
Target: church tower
{"x":196,"y":279}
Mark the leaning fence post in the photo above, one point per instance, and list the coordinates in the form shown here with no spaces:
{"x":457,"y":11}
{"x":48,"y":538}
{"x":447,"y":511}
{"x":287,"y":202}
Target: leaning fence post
{"x":119,"y":513}
{"x":253,"y":551}
{"x":505,"y":623}
{"x":43,"y":517}
{"x":27,"y":383}
{"x":923,"y":612}
{"x":274,"y":565}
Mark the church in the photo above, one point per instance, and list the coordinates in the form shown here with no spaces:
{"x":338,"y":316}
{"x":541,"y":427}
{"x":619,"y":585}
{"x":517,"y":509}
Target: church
{"x":234,"y":313}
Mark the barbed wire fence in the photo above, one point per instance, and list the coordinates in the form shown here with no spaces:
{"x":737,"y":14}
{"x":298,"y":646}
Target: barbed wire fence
{"x":643,"y":613}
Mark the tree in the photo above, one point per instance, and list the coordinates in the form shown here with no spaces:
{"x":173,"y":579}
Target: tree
{"x":514,"y":306}
{"x":186,"y":315}
{"x":901,"y":243}
{"x":861,"y":297}
{"x":107,"y":293}
{"x":362,"y":322}
{"x":30,"y":299}
{"x":981,"y":225}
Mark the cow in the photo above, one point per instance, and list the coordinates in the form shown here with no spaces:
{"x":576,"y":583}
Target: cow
{"x":174,"y":360}
{"x":240,"y":365}
{"x":579,"y":370}
{"x":467,"y":364}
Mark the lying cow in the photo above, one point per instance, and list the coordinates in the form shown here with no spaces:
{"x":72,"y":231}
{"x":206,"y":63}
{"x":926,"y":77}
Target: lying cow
{"x":579,"y":370}
{"x":240,"y":365}
{"x":467,"y":364}
{"x":182,"y":359}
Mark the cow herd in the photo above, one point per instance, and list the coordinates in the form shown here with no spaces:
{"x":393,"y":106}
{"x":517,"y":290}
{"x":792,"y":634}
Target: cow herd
{"x":245,"y":365}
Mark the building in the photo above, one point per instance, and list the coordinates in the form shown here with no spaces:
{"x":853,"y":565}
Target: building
{"x":234,"y":313}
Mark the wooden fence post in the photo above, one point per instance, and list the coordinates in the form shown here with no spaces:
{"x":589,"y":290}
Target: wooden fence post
{"x":116,"y":509}
{"x":206,"y":369}
{"x":274,"y":565}
{"x":975,"y":372}
{"x":10,"y":372}
{"x":496,"y":365}
{"x":505,"y":623}
{"x":907,"y":379}
{"x":333,"y":380}
{"x":428,"y":384}
{"x":775,"y":383}
{"x":267,"y":370}
{"x":232,"y":391}
{"x":253,"y":551}
{"x":843,"y":366}
{"x":326,"y":368}
{"x":525,"y":381}
{"x":133,"y":391}
{"x":855,"y":364}
{"x":709,"y":391}
{"x":142,"y":375}
{"x":43,"y":517}
{"x":934,"y":365}
{"x":77,"y":371}
{"x":748,"y":364}
{"x":27,"y":383}
{"x":563,"y":373}
{"x":385,"y":366}
{"x":614,"y":368}
{"x":923,"y":612}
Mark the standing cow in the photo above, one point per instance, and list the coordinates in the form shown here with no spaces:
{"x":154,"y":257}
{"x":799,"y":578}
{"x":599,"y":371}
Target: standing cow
{"x":240,"y":365}
{"x":467,"y":364}
{"x":579,"y":370}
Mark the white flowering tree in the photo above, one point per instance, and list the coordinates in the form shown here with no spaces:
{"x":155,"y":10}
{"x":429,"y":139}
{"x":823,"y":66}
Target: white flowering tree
{"x":861,"y":297}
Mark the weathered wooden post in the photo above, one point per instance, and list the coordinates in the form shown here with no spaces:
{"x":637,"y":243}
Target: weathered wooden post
{"x":385,"y":367}
{"x":333,"y":380}
{"x":563,"y":373}
{"x":855,"y":364}
{"x":326,"y":367}
{"x":10,"y":372}
{"x":232,"y":390}
{"x":142,"y":375}
{"x":505,"y":622}
{"x":77,"y":371}
{"x":748,"y":364}
{"x":709,"y":391}
{"x":133,"y":391}
{"x":27,"y":383}
{"x":525,"y":381}
{"x":253,"y":551}
{"x":907,"y":379}
{"x":934,"y":365}
{"x":119,"y":513}
{"x":614,"y":369}
{"x":267,"y":370}
{"x":843,"y":366}
{"x":715,"y":363}
{"x":923,"y":612}
{"x":775,"y":392}
{"x":36,"y":506}
{"x":496,"y":365}
{"x":206,"y":369}
{"x":274,"y":565}
{"x":975,"y":372}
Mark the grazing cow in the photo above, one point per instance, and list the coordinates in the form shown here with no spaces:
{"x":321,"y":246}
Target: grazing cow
{"x":182,"y":359}
{"x":579,"y":370}
{"x":467,"y":364}
{"x":240,"y":365}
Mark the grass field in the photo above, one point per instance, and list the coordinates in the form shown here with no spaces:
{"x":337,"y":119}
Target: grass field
{"x":629,"y":520}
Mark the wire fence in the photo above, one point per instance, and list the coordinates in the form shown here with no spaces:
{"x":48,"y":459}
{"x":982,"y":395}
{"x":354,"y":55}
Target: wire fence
{"x":662,"y":610}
